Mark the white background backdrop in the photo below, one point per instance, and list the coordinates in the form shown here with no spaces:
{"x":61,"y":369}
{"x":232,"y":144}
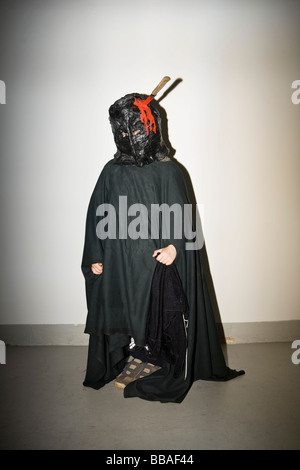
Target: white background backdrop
{"x":231,"y":121}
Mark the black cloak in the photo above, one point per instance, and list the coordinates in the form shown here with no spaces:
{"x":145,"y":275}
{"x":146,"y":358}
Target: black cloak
{"x":118,"y":299}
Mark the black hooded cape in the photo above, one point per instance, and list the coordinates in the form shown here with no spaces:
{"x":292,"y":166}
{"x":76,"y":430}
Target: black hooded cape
{"x":118,"y":299}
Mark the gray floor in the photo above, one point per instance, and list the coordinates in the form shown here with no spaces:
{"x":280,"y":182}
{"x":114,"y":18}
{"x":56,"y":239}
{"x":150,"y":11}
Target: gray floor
{"x":43,"y":405}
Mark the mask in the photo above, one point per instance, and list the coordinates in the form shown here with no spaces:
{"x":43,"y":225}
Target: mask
{"x":136,"y":125}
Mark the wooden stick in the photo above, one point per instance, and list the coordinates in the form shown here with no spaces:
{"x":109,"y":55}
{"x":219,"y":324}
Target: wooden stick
{"x":160,"y":86}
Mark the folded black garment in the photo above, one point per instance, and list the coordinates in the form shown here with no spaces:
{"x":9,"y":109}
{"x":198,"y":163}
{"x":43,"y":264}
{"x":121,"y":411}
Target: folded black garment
{"x":168,"y":312}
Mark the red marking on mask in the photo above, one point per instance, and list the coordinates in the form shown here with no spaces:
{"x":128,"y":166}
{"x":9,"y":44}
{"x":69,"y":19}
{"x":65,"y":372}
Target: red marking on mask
{"x":146,"y":114}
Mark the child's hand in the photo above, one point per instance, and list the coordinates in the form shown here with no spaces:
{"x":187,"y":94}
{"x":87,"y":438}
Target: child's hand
{"x":97,"y":268}
{"x":166,"y":255}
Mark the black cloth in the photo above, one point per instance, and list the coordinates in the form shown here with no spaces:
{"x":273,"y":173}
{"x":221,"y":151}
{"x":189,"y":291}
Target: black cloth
{"x":138,"y":142}
{"x":118,"y":300}
{"x":168,"y":312}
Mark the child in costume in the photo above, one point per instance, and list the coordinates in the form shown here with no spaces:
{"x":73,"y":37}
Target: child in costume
{"x":143,"y":286}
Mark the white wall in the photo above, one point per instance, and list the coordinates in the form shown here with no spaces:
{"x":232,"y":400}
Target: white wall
{"x":231,"y":121}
